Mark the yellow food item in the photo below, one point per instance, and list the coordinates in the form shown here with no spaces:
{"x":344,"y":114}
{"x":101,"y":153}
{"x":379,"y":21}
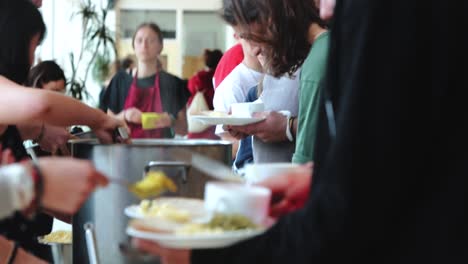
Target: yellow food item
{"x":62,"y":237}
{"x":153,"y":184}
{"x":164,"y":210}
{"x":148,"y":120}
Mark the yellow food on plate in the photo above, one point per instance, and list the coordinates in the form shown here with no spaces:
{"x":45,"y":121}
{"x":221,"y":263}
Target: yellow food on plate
{"x":153,"y":184}
{"x":231,"y":222}
{"x":220,"y":223}
{"x":164,"y":210}
{"x":61,"y":237}
{"x":149,"y":119}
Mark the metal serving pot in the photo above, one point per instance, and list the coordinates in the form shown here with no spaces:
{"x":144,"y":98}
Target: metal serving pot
{"x":105,"y":208}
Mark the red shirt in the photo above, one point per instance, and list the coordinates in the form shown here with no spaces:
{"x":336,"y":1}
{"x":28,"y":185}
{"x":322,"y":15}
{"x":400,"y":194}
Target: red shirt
{"x":202,"y":82}
{"x":231,"y":58}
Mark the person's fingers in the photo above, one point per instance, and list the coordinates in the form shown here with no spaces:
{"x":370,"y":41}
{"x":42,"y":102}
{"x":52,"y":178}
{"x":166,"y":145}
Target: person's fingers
{"x":147,"y":246}
{"x":280,"y":209}
{"x":53,"y":150}
{"x":64,"y":150}
{"x":241,"y":136}
{"x":104,"y":136}
{"x":74,"y":137}
{"x":110,"y":113}
{"x":7,"y":157}
{"x":247,"y":129}
{"x":309,"y":165}
{"x":276,"y":183}
{"x":101,"y":179}
{"x":260,"y":114}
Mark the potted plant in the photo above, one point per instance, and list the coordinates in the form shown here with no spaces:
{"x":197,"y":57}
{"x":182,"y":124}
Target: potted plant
{"x":97,"y":49}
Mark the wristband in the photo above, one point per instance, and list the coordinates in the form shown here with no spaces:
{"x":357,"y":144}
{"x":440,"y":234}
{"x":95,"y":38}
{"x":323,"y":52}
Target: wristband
{"x":21,"y":183}
{"x":291,"y":127}
{"x":38,"y":180}
{"x":288,"y":128}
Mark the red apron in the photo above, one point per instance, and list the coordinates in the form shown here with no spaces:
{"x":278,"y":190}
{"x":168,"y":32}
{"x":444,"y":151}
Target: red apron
{"x":146,"y":100}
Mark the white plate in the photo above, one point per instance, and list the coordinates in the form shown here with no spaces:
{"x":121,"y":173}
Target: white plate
{"x":227,"y":120}
{"x":195,"y":207}
{"x":196,"y":241}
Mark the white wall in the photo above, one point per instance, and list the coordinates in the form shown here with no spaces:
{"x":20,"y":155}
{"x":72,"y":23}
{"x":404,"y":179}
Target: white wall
{"x":64,"y":35}
{"x":203,"y":30}
{"x":130,"y":19}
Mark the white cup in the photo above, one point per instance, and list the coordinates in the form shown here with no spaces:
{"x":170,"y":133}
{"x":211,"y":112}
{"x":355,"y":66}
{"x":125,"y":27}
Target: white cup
{"x":258,"y":172}
{"x":233,"y":198}
{"x":246,"y":109}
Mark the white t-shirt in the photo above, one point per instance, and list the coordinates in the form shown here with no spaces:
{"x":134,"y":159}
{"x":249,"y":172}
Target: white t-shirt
{"x":234,"y":89}
{"x":279,"y":94}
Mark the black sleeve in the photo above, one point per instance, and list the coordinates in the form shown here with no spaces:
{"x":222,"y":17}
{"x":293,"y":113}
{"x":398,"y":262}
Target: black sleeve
{"x":391,"y":186}
{"x":184,"y":93}
{"x":114,"y":96}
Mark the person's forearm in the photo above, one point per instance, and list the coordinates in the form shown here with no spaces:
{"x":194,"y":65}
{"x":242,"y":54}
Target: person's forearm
{"x":19,"y":105}
{"x":21,"y":256}
{"x":6,"y":248}
{"x":65,"y":111}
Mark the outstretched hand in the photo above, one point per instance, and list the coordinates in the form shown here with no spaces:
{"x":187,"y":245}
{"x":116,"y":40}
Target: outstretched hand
{"x":272,"y":129}
{"x":68,"y":183}
{"x":289,"y":191}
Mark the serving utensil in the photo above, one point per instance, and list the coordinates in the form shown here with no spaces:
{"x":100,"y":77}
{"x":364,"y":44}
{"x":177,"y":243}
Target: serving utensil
{"x":207,"y":165}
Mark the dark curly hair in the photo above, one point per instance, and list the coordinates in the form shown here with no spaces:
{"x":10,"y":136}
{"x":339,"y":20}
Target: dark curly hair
{"x":282,"y":26}
{"x":20,"y":21}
